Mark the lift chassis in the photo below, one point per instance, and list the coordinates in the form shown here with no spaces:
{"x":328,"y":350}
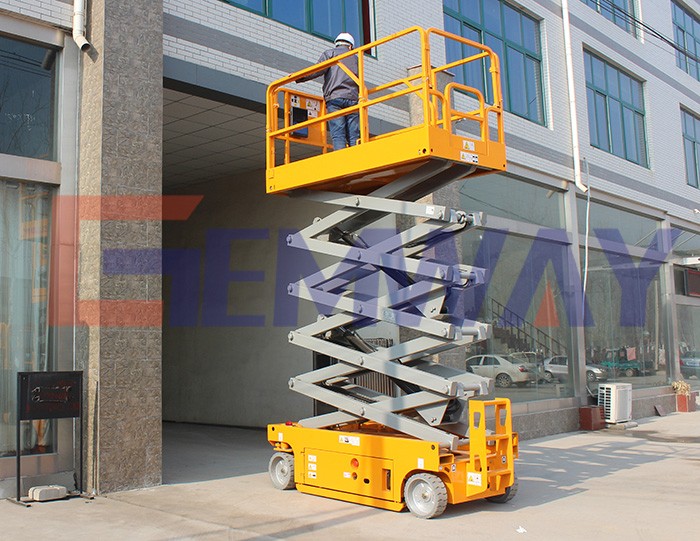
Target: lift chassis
{"x":433,"y":436}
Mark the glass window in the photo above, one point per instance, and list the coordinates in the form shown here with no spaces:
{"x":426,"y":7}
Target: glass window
{"x":27,"y":104}
{"x":689,"y":344}
{"x":625,"y":334}
{"x":613,"y":224}
{"x":615,"y":110}
{"x":691,"y":146}
{"x":525,"y":202}
{"x":525,"y":300}
{"x":621,"y":12}
{"x":324,"y":18}
{"x":685,"y":243}
{"x":514,"y":37}
{"x":24,"y":235}
{"x":291,"y":12}
{"x":686,"y":34}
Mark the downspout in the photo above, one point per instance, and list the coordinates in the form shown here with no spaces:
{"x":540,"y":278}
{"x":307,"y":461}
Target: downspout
{"x":79,"y":25}
{"x":575,"y":148}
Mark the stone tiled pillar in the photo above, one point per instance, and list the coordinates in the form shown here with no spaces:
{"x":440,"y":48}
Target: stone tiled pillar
{"x":121,"y":168}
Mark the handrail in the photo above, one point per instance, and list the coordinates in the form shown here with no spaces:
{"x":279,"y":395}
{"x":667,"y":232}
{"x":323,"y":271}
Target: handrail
{"x":536,"y":336}
{"x":423,"y":84}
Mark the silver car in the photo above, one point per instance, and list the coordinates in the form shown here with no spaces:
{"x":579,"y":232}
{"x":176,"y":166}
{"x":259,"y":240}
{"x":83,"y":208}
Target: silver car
{"x":557,"y":367}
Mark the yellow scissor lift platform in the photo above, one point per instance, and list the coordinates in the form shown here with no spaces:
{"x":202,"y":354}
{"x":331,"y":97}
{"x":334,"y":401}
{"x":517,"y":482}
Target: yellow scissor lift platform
{"x":423,"y":441}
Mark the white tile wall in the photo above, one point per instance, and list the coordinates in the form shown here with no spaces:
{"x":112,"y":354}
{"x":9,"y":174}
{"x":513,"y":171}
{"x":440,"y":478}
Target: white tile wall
{"x":662,"y":101}
{"x":54,"y":12}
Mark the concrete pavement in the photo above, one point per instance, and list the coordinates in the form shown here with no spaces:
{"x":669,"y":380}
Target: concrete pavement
{"x":640,"y":483}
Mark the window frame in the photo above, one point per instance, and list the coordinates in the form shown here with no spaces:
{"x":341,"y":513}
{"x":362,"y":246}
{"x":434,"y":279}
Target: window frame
{"x":364,"y":18}
{"x":683,"y":61}
{"x":53,"y":105}
{"x":610,"y":12}
{"x":480,"y":28}
{"x":695,"y":142}
{"x":625,"y":106}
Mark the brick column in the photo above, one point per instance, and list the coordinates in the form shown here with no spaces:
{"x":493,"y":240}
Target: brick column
{"x":120,"y":155}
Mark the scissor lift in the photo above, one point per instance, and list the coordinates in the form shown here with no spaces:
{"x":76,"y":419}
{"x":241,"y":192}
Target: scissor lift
{"x":429,"y":445}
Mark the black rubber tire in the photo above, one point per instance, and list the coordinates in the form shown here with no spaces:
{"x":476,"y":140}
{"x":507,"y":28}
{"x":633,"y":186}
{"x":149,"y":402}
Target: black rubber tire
{"x":425,"y":495}
{"x":281,"y":470}
{"x":503,"y":380}
{"x":548,"y":376}
{"x":630,"y":372}
{"x":508,"y":495}
{"x":590,"y":376}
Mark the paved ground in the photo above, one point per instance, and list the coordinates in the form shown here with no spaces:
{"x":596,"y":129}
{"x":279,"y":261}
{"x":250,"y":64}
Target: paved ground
{"x":641,"y":483}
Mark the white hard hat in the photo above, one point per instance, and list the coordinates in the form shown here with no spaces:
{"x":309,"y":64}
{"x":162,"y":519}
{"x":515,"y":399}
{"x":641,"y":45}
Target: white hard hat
{"x":347,"y":38}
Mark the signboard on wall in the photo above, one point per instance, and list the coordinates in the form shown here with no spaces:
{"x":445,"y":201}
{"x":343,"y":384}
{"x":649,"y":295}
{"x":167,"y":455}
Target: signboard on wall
{"x":49,"y":395}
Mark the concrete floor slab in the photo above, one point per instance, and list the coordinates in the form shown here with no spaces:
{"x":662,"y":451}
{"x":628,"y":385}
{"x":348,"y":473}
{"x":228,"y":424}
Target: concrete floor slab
{"x":639,"y":483}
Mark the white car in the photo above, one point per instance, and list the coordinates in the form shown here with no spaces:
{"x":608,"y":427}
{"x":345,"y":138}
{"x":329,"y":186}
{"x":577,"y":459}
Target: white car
{"x":557,"y":367}
{"x":503,"y":372}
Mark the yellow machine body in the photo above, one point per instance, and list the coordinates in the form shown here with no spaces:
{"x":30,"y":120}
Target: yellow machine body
{"x":369,"y":464}
{"x":365,"y":462}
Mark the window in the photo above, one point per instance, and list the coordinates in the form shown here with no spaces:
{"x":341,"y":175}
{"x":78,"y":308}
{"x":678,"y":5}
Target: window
{"x":514,"y":37}
{"x":621,"y":12}
{"x":686,"y":34}
{"x":691,"y":145}
{"x":324,"y":18}
{"x":27,"y":77}
{"x":615,"y":110}
{"x":24,"y":275}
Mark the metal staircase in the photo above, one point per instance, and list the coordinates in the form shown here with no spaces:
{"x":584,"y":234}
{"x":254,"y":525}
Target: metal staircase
{"x":520,"y":334}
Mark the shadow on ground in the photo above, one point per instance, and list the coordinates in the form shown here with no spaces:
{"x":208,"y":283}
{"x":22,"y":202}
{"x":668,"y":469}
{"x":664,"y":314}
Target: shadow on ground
{"x":194,"y":453}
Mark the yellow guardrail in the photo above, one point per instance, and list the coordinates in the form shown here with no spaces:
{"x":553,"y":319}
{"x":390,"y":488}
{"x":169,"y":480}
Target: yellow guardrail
{"x":438,"y":105}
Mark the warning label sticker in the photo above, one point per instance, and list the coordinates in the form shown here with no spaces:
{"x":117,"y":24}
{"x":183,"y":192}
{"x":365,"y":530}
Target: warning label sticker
{"x":312,"y":458}
{"x":350,"y":440}
{"x":474,"y":479}
{"x":468,"y":145}
{"x":312,"y":467}
{"x":468,"y":157}
{"x":311,"y":475}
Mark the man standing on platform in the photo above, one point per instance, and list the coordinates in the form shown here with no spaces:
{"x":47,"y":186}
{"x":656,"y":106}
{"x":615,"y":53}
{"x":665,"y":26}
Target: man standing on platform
{"x":339,"y":92}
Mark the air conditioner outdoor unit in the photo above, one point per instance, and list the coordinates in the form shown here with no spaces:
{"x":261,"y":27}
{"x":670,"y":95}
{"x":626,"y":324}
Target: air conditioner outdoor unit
{"x":616,"y":399}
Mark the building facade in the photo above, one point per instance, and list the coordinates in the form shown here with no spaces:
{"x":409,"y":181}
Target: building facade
{"x":137,"y":243}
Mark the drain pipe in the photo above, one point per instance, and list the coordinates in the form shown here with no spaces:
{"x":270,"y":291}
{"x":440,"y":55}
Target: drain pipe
{"x":79,"y":25}
{"x":575,"y":148}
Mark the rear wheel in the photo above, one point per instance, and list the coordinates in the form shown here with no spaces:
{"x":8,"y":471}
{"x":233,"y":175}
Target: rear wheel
{"x":508,"y":495}
{"x":425,"y":495}
{"x":281,"y":468}
{"x":590,"y":376}
{"x":504,"y":380}
{"x":548,"y":377}
{"x":630,"y":372}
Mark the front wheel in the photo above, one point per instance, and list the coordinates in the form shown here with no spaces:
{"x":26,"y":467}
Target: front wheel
{"x":630,"y":372}
{"x":548,"y":377}
{"x":425,"y":495}
{"x":504,"y":380}
{"x":590,"y":376}
{"x":508,"y":495}
{"x":281,"y":468}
